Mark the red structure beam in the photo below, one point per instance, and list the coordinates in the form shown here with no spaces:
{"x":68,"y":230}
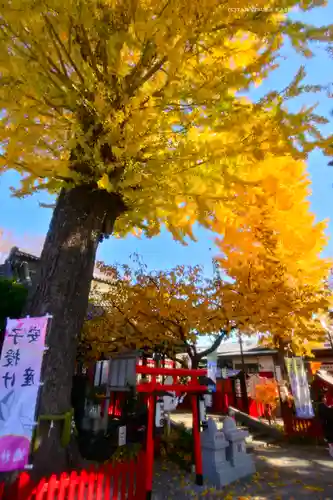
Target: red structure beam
{"x":178,"y":372}
{"x":150,"y":387}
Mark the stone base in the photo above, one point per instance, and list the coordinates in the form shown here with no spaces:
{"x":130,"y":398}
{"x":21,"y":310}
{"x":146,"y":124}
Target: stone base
{"x":229,"y":474}
{"x":245,"y":468}
{"x":224,"y":477}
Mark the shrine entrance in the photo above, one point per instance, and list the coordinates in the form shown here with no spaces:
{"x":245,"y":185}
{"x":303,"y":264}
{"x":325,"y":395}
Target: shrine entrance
{"x":123,"y":376}
{"x":154,"y":389}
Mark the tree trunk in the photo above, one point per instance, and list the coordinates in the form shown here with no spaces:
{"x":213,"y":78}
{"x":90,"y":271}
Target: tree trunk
{"x":62,"y":289}
{"x":194,"y":362}
{"x":281,"y":354}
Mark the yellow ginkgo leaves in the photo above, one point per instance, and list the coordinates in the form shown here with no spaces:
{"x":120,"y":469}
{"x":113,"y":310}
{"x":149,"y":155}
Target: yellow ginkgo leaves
{"x":167,"y":310}
{"x":161,"y":311}
{"x":144,"y":102}
{"x":272,"y":248}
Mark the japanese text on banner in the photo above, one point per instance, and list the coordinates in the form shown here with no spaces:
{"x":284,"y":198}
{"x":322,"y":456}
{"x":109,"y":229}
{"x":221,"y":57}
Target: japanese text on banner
{"x":20,"y":369}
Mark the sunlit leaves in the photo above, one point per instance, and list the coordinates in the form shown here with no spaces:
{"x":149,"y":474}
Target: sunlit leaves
{"x":141,"y":98}
{"x":272,"y":250}
{"x":163,"y":310}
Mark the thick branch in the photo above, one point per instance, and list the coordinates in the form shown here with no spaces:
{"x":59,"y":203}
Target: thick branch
{"x":214,"y":346}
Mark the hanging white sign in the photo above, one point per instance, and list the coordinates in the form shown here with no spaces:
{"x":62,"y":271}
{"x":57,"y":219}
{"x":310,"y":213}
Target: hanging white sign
{"x":122,"y":435}
{"x":212,"y":366}
{"x":20,"y":368}
{"x":299,"y":387}
{"x":170,"y":400}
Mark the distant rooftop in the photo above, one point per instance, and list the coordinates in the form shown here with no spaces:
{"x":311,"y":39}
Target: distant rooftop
{"x":16,"y":253}
{"x":250,"y":348}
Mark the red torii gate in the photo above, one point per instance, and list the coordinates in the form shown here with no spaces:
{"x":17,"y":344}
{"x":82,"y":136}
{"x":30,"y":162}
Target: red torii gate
{"x":154,"y":388}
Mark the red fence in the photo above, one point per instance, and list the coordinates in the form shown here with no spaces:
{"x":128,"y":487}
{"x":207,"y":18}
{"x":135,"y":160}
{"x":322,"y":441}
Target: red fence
{"x":120,"y":481}
{"x":301,"y":427}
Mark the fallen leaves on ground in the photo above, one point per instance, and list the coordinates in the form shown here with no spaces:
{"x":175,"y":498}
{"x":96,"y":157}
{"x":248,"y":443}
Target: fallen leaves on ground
{"x":313,"y":488}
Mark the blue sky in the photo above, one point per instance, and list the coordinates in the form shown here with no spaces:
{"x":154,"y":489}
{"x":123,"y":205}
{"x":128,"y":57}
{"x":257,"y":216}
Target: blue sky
{"x":26,"y":217}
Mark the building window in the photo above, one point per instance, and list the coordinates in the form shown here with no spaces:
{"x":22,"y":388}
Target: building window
{"x":249,"y":368}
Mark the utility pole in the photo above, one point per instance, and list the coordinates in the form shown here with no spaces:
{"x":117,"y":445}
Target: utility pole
{"x":240,"y":340}
{"x":244,"y":387}
{"x":328,"y":329}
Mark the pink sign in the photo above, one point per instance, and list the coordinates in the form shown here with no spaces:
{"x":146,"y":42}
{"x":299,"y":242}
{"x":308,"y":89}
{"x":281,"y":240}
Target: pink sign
{"x":20,"y":369}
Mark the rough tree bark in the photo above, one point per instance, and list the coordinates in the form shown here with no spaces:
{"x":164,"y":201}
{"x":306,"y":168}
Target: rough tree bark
{"x":62,"y":289}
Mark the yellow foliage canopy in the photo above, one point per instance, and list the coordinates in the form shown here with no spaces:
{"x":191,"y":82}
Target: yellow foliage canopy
{"x":139,"y":98}
{"x":166,"y":311}
{"x":272,"y":250}
{"x":271,"y":253}
{"x":162,"y":311}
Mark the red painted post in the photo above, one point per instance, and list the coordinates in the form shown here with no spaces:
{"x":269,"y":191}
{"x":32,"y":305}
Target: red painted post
{"x":196,"y":441}
{"x":73,"y":481}
{"x":24,"y":486}
{"x":99,"y":488}
{"x":107,"y":486}
{"x":63,"y":484}
{"x":150,"y":448}
{"x":139,"y":480}
{"x":52,"y":487}
{"x":91,"y":485}
{"x":124,"y":470}
{"x":40,"y":489}
{"x":131,"y":474}
{"x":115,"y":486}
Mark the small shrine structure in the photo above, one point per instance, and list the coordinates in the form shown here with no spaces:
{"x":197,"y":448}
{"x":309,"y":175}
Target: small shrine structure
{"x":123,"y":373}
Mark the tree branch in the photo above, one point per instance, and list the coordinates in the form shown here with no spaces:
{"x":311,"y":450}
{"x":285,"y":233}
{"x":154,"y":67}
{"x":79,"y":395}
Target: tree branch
{"x":65,"y":51}
{"x":215,"y":345}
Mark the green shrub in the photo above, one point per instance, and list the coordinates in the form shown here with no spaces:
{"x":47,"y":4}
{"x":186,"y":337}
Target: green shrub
{"x":178,"y":446}
{"x":125,"y":453}
{"x":13,"y":297}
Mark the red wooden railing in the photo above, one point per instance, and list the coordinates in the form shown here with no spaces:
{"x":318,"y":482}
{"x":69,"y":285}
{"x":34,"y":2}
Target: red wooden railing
{"x":120,"y":481}
{"x":293,"y":426}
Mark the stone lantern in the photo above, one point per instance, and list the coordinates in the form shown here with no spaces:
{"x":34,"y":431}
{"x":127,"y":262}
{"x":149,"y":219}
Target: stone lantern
{"x":236,"y":453}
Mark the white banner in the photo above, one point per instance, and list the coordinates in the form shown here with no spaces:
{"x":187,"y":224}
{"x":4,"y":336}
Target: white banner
{"x":212,"y":366}
{"x":300,"y":387}
{"x":20,"y":368}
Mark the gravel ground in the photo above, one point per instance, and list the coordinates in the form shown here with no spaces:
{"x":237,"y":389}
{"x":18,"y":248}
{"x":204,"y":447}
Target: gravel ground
{"x":283,"y":472}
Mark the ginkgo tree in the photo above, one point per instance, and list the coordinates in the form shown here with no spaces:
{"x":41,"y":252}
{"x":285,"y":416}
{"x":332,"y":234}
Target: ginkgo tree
{"x":158,"y":312}
{"x":272,"y":249}
{"x":130,"y":111}
{"x":255,"y":288}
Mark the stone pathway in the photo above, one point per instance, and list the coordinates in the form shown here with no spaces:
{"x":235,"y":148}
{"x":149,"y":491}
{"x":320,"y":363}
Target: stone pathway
{"x":283,"y":472}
